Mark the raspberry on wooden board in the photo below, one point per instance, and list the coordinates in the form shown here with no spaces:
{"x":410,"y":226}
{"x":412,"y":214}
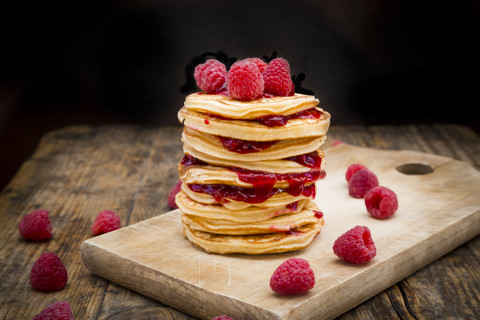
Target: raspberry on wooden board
{"x":293,"y":276}
{"x":355,"y":246}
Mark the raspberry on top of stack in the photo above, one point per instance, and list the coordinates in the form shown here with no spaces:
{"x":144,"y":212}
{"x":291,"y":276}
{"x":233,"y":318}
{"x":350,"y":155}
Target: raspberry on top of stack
{"x":252,"y":157}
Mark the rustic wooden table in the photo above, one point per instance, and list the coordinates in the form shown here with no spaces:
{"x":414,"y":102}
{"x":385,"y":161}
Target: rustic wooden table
{"x":78,"y":171}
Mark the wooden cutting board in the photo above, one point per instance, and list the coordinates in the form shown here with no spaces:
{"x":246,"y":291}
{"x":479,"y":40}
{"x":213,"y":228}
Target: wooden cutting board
{"x":439,"y":209}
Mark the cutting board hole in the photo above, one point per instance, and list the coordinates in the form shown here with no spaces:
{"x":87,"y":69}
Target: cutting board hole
{"x":414,"y":168}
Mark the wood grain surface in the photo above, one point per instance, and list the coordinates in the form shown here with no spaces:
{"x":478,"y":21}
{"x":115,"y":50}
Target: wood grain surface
{"x":78,"y":171}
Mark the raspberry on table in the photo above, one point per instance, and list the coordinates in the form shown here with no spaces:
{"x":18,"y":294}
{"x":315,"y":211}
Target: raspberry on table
{"x":223,"y":317}
{"x":293,"y":276}
{"x":352,"y":169}
{"x":361,"y":182}
{"x":48,"y":273}
{"x":261,"y":65}
{"x":60,"y":310}
{"x":36,"y":226}
{"x":277,"y":78}
{"x":173,"y":193}
{"x":211,"y":76}
{"x":106,"y":221}
{"x":381,"y":202}
{"x":355,"y":246}
{"x":244,"y":81}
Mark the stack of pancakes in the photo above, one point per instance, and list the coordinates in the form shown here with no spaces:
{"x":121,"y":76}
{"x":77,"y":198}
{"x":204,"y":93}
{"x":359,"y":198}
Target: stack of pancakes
{"x":249,"y":172}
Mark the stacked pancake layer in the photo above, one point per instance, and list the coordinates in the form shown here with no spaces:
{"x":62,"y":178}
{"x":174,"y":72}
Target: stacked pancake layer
{"x":249,"y":172}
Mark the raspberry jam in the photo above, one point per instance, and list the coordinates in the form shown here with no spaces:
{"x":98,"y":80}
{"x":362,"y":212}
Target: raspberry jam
{"x":221,"y":193}
{"x":244,"y":146}
{"x":318,"y":214}
{"x":266,"y":180}
{"x":188,"y":160}
{"x":278,"y":120}
{"x":310,"y":160}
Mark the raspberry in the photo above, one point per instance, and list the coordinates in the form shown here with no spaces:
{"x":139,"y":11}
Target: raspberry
{"x":48,"y":273}
{"x":106,"y":221}
{"x":223,"y":317}
{"x":261,"y":65}
{"x":381,"y":202}
{"x":293,"y":276}
{"x":352,"y":169}
{"x":173,"y":193}
{"x":361,"y":182}
{"x":244,"y":81}
{"x":211,"y":76}
{"x":277,"y":78}
{"x":355,"y":246}
{"x":60,"y":310}
{"x":36,"y":226}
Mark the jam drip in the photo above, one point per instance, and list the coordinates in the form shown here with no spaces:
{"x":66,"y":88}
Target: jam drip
{"x":318,"y":214}
{"x":310,"y":160}
{"x":221,"y":193}
{"x":244,"y":146}
{"x":188,"y":161}
{"x":278,"y":120}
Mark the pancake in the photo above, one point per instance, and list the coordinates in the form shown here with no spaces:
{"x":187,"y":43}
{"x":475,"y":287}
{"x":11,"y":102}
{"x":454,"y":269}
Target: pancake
{"x":210,"y":174}
{"x":275,"y":166}
{"x":278,"y":199}
{"x":227,"y":107}
{"x":254,"y":131}
{"x":212,"y":145}
{"x":250,"y":214}
{"x":254,"y":244}
{"x":250,"y":170}
{"x":281,"y":223}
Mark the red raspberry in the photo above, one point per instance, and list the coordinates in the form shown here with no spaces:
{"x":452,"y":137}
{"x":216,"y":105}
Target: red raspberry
{"x":211,"y":76}
{"x":293,"y":276}
{"x":60,"y":310}
{"x":48,"y":273}
{"x":261,"y":65}
{"x":36,"y":226}
{"x":244,"y":81}
{"x":223,"y":317}
{"x":173,"y":193}
{"x":381,"y":202}
{"x":352,"y":169}
{"x":277,"y":78}
{"x":355,"y":246}
{"x":106,"y":221}
{"x":361,"y":182}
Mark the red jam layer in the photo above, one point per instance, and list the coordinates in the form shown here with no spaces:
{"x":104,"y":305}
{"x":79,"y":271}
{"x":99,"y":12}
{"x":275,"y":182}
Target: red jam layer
{"x":278,"y":120}
{"x":263,"y":182}
{"x":222,"y":193}
{"x":244,"y":146}
{"x":310,"y":160}
{"x":188,"y":160}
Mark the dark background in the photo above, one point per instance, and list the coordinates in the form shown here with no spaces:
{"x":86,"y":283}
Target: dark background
{"x":369,"y":62}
